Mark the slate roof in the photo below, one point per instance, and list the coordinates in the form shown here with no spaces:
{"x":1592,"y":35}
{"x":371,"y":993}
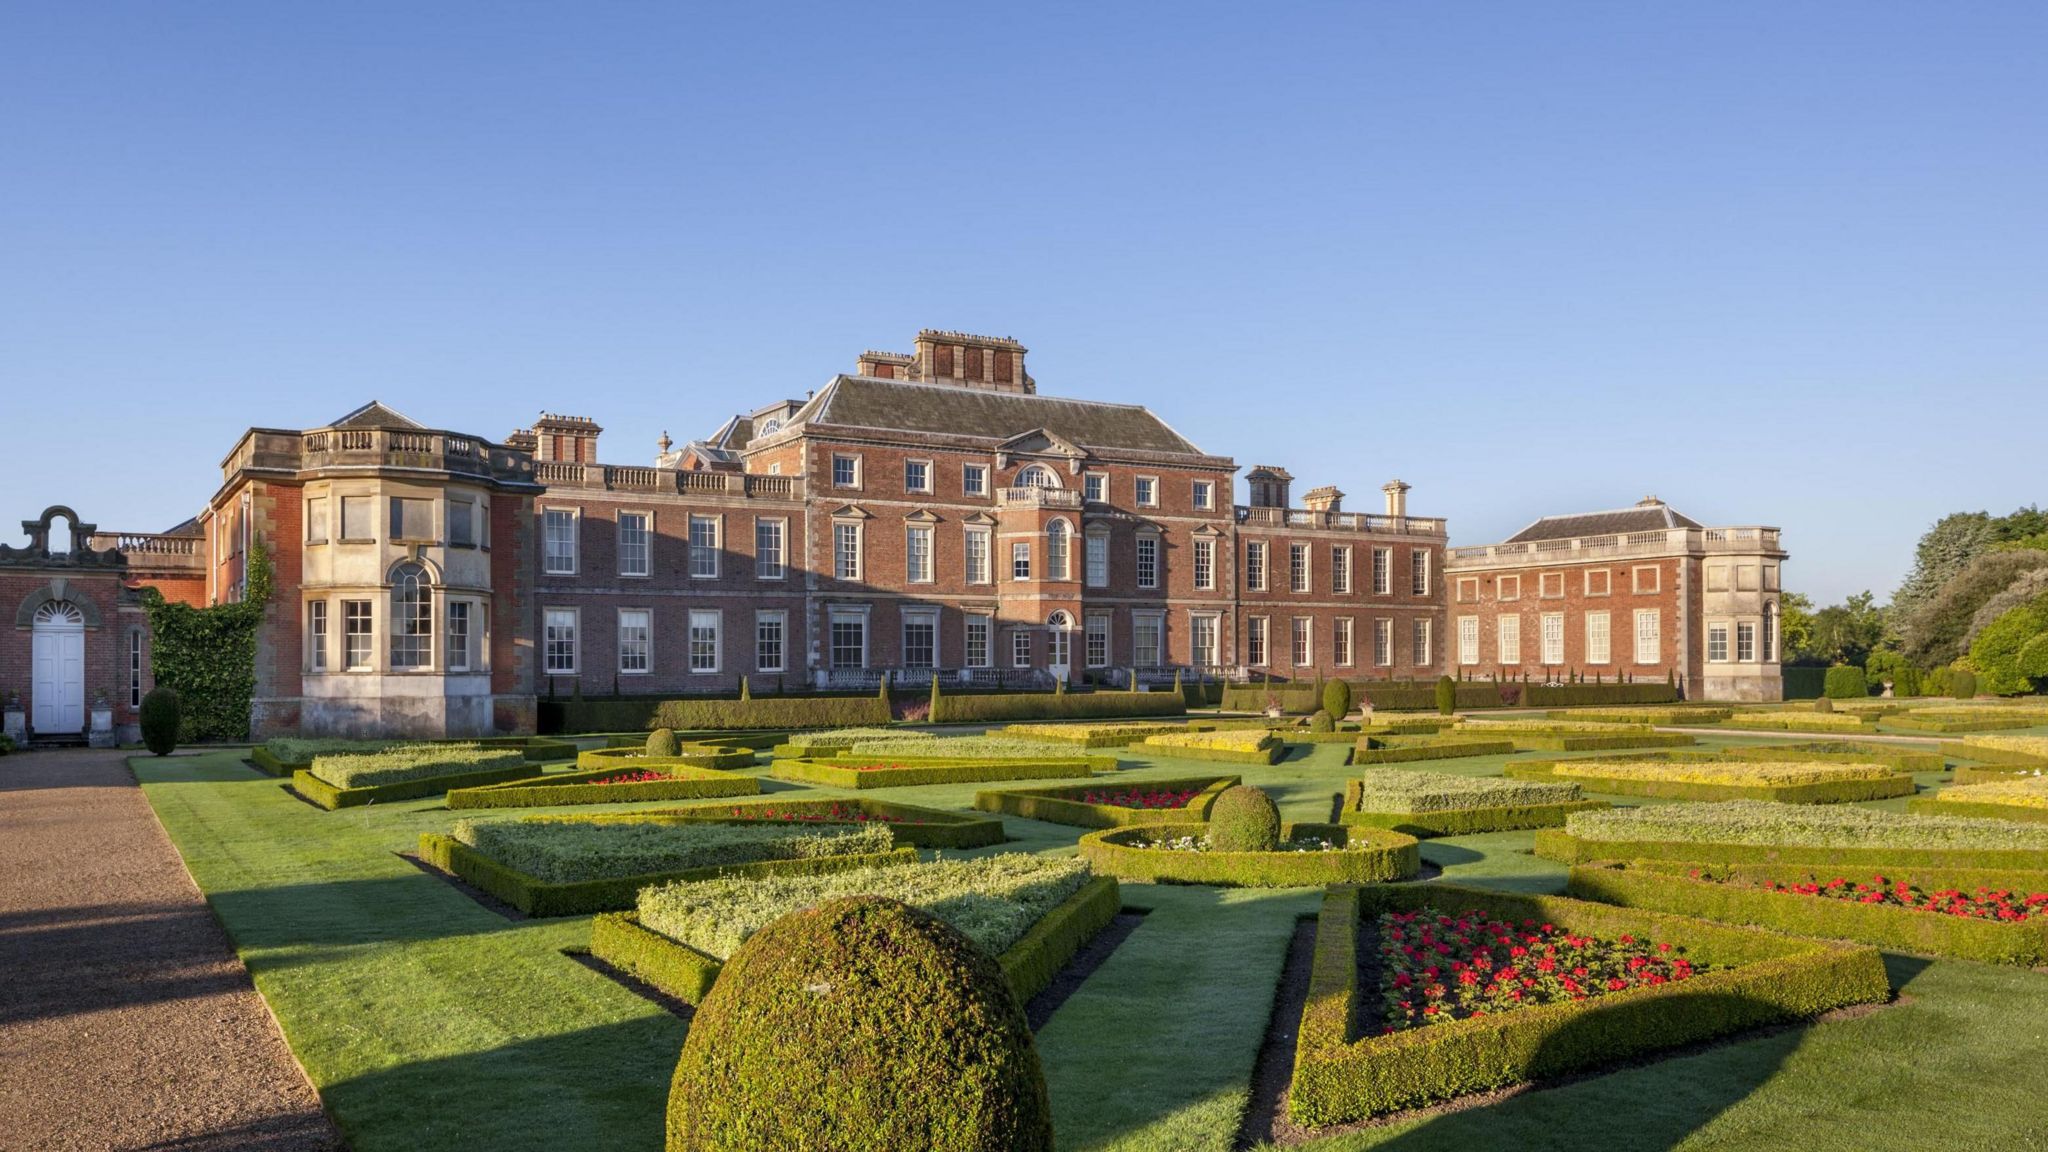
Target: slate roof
{"x":951,"y":410}
{"x":376,"y":415}
{"x":1641,"y":518}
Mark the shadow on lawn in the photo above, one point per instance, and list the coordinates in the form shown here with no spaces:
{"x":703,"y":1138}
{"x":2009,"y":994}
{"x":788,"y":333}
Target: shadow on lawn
{"x":351,"y":913}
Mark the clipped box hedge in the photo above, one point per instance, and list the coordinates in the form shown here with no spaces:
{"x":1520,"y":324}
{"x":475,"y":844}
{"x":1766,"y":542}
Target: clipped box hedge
{"x":1087,"y":735}
{"x":1800,"y":722}
{"x":1893,"y":756}
{"x":2020,"y":751}
{"x":1029,"y":965}
{"x":1342,"y":1075}
{"x":1736,"y":782}
{"x":719,"y":756}
{"x":1743,"y":832}
{"x":773,"y":712}
{"x":286,"y":755}
{"x":2011,"y":798}
{"x":901,"y":773}
{"x":1239,"y":746}
{"x":582,"y":787}
{"x":1473,"y":804}
{"x":1385,"y":856}
{"x":539,"y":898}
{"x":909,"y":824}
{"x":1735,"y":898}
{"x":330,"y":797}
{"x":1066,"y":806}
{"x":987,"y":709}
{"x":1917,"y":722}
{"x":1665,"y":716}
{"x":1381,"y":750}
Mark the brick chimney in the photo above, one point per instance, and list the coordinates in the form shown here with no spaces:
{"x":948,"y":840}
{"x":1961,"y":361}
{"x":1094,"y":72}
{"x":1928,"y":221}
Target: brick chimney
{"x":993,"y":363}
{"x":1324,"y":499}
{"x":1397,"y":498}
{"x":522,"y":439}
{"x":1266,"y":486}
{"x":886,"y":365}
{"x":570,"y":439}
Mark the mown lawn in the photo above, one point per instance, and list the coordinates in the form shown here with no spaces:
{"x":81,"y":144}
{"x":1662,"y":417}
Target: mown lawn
{"x":429,"y":1022}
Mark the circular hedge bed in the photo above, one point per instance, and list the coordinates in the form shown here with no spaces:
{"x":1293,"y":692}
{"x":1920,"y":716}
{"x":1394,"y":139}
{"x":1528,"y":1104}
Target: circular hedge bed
{"x":1365,"y":856}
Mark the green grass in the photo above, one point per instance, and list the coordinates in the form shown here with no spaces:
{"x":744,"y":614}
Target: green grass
{"x":428,"y":1022}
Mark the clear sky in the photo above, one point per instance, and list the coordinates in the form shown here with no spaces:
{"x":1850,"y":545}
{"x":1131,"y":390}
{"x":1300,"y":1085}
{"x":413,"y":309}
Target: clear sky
{"x":1775,"y":263}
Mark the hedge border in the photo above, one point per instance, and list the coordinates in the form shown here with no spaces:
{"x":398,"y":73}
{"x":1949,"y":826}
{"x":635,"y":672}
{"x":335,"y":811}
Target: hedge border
{"x":914,"y":825}
{"x":1931,"y":806}
{"x":1590,"y":742}
{"x":1262,"y":757}
{"x":831,"y":775}
{"x":1664,"y":887}
{"x":1448,"y":750}
{"x":542,"y":898}
{"x":1463,"y":821}
{"x":1340,"y":1076}
{"x":1394,"y":856}
{"x":619,"y":939}
{"x":1049,"y":805}
{"x":1899,"y":759}
{"x":1962,"y":750}
{"x":1104,"y":705}
{"x":331,"y":798}
{"x":581,"y":787}
{"x":721,"y":757}
{"x":1995,"y":773}
{"x":1082,"y":737}
{"x":1905,"y":721}
{"x":772,"y":712}
{"x":1822,"y":792}
{"x":1560,"y":845}
{"x":536,"y":749}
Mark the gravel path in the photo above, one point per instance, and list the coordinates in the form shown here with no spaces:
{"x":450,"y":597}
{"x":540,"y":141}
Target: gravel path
{"x":126,"y":1020}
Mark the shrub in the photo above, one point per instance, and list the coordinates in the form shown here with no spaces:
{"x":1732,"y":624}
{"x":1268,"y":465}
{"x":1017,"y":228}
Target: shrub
{"x":1751,"y":831}
{"x":675,"y":782}
{"x":2016,"y":798}
{"x":773,"y":712}
{"x":1730,"y":779}
{"x":994,"y":747}
{"x":567,"y":851}
{"x":872,"y":985}
{"x":1824,"y":704}
{"x":411,"y":762}
{"x":1106,"y":734}
{"x":1446,"y":696}
{"x":160,"y":720}
{"x":2033,"y":658}
{"x":1236,"y":746}
{"x":1321,"y":724}
{"x":1963,"y":683}
{"x":1072,"y":804}
{"x":662,"y":742}
{"x":1403,"y":791}
{"x":1336,"y":700}
{"x":1244,"y":819}
{"x":1845,"y":682}
{"x":1996,"y":651}
{"x":1334,"y":854}
{"x":1376,"y":750}
{"x":963,"y":709}
{"x":887,"y":774}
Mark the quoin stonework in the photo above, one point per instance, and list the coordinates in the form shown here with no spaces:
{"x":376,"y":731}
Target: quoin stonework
{"x":929,"y":513}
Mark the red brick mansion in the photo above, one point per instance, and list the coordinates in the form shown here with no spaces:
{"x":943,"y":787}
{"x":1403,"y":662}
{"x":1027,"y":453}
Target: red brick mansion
{"x":929,"y":513}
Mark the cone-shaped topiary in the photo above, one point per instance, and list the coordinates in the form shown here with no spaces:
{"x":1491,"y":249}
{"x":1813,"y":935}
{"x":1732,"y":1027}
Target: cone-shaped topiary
{"x":1244,"y":819}
{"x":883,"y":691}
{"x":1446,"y":696}
{"x":861,"y":1023}
{"x":662,"y":742}
{"x":160,"y":718}
{"x":1337,"y":700}
{"x":745,"y":692}
{"x":933,"y":713}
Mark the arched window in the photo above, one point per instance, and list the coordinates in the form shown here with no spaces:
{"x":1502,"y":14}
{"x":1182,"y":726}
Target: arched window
{"x":1037,"y":476}
{"x":1770,"y":631}
{"x":1056,"y":550}
{"x":770,"y":426}
{"x":58,"y":614}
{"x":412,"y":618}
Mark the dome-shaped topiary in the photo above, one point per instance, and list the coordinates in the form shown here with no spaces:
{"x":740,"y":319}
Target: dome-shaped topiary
{"x":861,"y":1023}
{"x":662,"y":742}
{"x":1321,"y":722}
{"x":160,"y":718}
{"x":1337,"y":700}
{"x":1244,"y":819}
{"x":1963,"y":683}
{"x":1823,"y":705}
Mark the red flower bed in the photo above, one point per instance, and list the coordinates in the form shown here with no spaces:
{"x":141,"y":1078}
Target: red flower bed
{"x":836,"y":814}
{"x":642,"y":776}
{"x":1982,"y":904}
{"x":1437,"y":968}
{"x":1133,"y":798}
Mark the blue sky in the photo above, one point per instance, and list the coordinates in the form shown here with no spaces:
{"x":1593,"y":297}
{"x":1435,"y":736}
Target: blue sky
{"x":1777,"y":263}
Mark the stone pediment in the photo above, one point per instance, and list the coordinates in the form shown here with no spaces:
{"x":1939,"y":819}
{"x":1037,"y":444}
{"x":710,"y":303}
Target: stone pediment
{"x":1039,"y":442}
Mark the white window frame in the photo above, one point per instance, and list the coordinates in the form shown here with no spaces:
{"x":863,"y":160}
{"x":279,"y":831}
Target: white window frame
{"x":848,"y":564}
{"x":1344,"y":641}
{"x":1552,"y":639}
{"x":1301,"y":641}
{"x":985,"y":625}
{"x":1203,"y":625}
{"x":645,"y":622}
{"x":780,"y":619}
{"x":1020,"y":648}
{"x":1255,"y":567}
{"x":1148,"y":570}
{"x":918,"y":559}
{"x":1257,"y":637}
{"x":1606,"y":581}
{"x":1468,"y":641}
{"x":779,"y":569}
{"x":707,"y":569}
{"x":1422,"y":641}
{"x":918,"y":616}
{"x":1145,"y":491}
{"x":1420,"y":571}
{"x":1717,"y":642}
{"x":550,"y":562}
{"x":1383,"y":571}
{"x":1301,"y":560}
{"x":1205,"y":563}
{"x":1508,"y":638}
{"x":1599,"y":638}
{"x":1383,"y":642}
{"x":460,"y":639}
{"x":977,"y":555}
{"x":1095,"y":558}
{"x":1340,"y":569}
{"x":553,"y":619}
{"x":1745,"y":641}
{"x":1020,"y":560}
{"x":1059,"y":549}
{"x":926,"y":485}
{"x":1649,"y":645}
{"x":646,"y":543}
{"x":1501,"y":586}
{"x":1656,"y":580}
{"x":1095,"y":640}
{"x":974,"y":479}
{"x":318,"y":526}
{"x":716,"y":618}
{"x":853,"y":618}
{"x":1468,"y":589}
{"x":1203,"y":495}
{"x":1543,"y":585}
{"x":852,"y":460}
{"x":369,"y":635}
{"x":1095,"y":487}
{"x":1156,"y":658}
{"x":316,"y":636}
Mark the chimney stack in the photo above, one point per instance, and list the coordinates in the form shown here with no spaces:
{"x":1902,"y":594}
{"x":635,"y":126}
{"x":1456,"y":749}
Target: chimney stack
{"x":1397,"y":498}
{"x":569,"y":439}
{"x":1324,"y":499}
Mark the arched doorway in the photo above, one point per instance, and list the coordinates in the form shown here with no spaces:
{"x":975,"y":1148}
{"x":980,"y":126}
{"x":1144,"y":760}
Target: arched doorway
{"x":1059,"y":628}
{"x":57,"y":684}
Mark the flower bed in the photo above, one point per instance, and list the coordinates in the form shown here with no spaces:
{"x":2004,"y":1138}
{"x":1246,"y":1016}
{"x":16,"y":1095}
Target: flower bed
{"x":1939,"y":912}
{"x":2014,"y":798}
{"x":907,"y":823}
{"x":1032,"y":913}
{"x":565,"y":866}
{"x":905,"y":773}
{"x":404,"y":774}
{"x":1241,"y":746}
{"x":1426,"y":804}
{"x":1739,"y":979}
{"x":1788,"y":782}
{"x":607,"y":785}
{"x":1756,"y":832}
{"x":1385,"y":750}
{"x":1113,"y":734}
{"x":1174,"y":801}
{"x":1318,"y":854}
{"x":1800,"y":722}
{"x":720,"y":756}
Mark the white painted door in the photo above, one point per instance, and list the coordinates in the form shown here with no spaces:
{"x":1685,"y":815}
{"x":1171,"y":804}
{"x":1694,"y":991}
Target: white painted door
{"x":58,"y":687}
{"x":1058,"y":652}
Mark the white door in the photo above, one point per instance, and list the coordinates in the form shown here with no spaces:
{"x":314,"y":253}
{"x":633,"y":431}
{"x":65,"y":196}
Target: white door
{"x":57,"y":650}
{"x":1058,"y":629}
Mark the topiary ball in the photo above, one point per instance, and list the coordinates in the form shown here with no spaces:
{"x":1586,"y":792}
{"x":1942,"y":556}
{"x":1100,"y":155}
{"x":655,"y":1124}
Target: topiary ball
{"x":1823,"y":705}
{"x":161,"y":716}
{"x":1244,"y":819}
{"x":861,"y":1023}
{"x":662,"y":742}
{"x":1321,"y":722}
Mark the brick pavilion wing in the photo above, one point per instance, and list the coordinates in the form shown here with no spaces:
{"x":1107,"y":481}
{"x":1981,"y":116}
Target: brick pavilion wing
{"x":939,"y":409}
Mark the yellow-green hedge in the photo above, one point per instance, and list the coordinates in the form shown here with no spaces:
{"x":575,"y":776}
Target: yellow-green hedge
{"x":1587,"y":773}
{"x":908,"y":823}
{"x":1064,"y":806}
{"x":581,"y":787}
{"x":1389,"y":856}
{"x":898,"y":773}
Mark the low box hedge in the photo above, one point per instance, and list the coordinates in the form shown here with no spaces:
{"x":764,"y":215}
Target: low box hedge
{"x":1029,"y":965}
{"x":1088,"y":735}
{"x":1994,"y":800}
{"x":1342,"y":1075}
{"x":1470,"y":805}
{"x":773,"y":712}
{"x":1663,"y":716}
{"x":1800,"y":722}
{"x":582,"y":787}
{"x":1238,"y":746}
{"x":720,"y":756}
{"x":1735,"y":898}
{"x":285,"y":756}
{"x":540,"y":898}
{"x":1838,"y":791}
{"x":1893,"y":756}
{"x":1066,"y":806}
{"x":330,"y":797}
{"x":1385,"y":856}
{"x":1914,"y":722}
{"x":1598,"y":695}
{"x":1376,"y":750}
{"x":2021,"y":751}
{"x":909,"y":824}
{"x":987,"y":709}
{"x":1743,"y":832}
{"x":896,"y":773}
